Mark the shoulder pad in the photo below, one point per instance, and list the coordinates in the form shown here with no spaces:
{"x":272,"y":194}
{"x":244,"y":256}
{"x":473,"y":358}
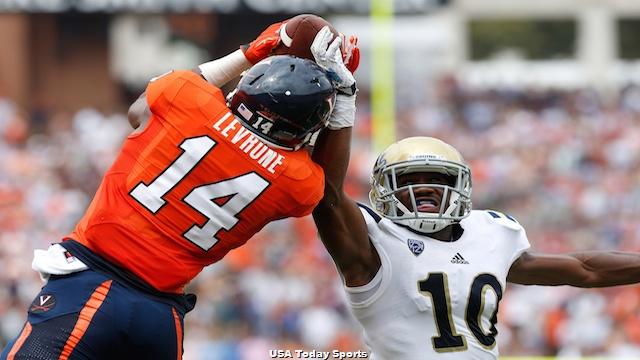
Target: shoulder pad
{"x":370,"y":211}
{"x":503,"y":219}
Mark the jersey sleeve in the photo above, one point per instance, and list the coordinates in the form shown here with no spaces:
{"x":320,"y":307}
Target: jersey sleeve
{"x":181,"y":89}
{"x":520,"y":244}
{"x":308,"y":193}
{"x":365,"y":295}
{"x":516,"y":240}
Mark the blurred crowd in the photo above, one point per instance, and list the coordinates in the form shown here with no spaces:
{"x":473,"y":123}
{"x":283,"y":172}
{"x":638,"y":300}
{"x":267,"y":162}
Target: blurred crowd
{"x":564,"y":163}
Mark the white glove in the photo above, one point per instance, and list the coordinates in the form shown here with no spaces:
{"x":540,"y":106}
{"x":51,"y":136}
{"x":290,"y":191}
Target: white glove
{"x":329,"y":57}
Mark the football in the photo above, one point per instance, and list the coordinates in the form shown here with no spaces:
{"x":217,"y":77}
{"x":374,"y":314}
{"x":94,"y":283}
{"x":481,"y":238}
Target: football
{"x":298,"y":33}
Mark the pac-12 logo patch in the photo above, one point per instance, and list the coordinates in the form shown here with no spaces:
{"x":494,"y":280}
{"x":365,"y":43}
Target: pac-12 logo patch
{"x":42,"y":303}
{"x":416,"y":246}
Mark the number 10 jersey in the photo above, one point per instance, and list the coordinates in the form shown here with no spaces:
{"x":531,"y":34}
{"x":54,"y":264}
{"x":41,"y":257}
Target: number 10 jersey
{"x":436,"y":299}
{"x":193,"y":185}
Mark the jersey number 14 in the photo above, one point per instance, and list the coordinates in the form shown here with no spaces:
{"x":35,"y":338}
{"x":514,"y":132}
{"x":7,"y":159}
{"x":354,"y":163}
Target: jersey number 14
{"x":241,"y":190}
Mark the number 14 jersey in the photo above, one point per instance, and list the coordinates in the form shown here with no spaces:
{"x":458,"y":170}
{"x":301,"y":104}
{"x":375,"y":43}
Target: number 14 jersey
{"x":193,"y":185}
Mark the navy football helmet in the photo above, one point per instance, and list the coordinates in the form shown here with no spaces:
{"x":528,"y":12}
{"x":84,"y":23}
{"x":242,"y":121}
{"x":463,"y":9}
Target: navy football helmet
{"x":284,"y":100}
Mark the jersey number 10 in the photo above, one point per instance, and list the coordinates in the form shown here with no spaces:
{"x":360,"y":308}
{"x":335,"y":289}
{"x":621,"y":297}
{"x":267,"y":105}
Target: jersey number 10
{"x":436,"y":286}
{"x":241,"y":190}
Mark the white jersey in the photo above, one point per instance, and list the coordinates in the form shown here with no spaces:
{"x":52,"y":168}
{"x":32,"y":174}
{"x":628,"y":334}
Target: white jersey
{"x":437,"y":299}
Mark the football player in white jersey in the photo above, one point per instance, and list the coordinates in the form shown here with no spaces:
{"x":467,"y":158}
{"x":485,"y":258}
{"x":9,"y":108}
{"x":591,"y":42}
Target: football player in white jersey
{"x":424,"y":273}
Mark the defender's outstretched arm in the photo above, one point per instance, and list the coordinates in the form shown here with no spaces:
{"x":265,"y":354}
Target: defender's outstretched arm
{"x":584,"y":269}
{"x":340,"y":223}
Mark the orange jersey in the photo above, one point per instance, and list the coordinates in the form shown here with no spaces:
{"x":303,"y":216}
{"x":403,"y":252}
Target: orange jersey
{"x":191,"y":186}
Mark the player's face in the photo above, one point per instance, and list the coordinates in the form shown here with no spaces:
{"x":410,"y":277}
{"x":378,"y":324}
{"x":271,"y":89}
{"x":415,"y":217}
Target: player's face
{"x":428,"y":198}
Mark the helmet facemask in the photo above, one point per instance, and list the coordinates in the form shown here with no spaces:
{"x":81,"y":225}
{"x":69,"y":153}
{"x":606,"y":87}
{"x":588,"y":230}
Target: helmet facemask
{"x":454,"y":205}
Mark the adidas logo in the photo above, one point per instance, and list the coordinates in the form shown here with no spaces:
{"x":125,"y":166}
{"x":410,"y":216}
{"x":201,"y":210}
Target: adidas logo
{"x":458,"y":259}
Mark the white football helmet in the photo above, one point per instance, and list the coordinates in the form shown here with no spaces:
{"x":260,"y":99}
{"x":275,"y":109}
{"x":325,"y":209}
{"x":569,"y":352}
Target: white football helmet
{"x":416,"y":155}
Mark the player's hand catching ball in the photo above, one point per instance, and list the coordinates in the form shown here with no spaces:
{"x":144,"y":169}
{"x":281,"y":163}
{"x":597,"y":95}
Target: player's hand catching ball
{"x":328,"y":55}
{"x":262,"y":46}
{"x":350,"y":52}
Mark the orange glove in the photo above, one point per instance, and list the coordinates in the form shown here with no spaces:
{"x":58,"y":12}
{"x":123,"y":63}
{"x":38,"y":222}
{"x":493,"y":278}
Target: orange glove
{"x":261,"y":47}
{"x":350,"y":52}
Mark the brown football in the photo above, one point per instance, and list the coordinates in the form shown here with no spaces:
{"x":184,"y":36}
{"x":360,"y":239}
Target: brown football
{"x":298,"y":34}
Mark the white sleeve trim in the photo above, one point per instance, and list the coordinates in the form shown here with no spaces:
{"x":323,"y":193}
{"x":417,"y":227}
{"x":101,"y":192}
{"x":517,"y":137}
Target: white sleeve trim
{"x":373,"y":284}
{"x":220,"y":71}
{"x":525,"y":246}
{"x":364,"y":295}
{"x":522,"y":244}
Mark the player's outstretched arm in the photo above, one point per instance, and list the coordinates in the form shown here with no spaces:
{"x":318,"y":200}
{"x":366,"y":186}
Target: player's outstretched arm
{"x":583,"y":269}
{"x":340,"y":223}
{"x":220,"y":71}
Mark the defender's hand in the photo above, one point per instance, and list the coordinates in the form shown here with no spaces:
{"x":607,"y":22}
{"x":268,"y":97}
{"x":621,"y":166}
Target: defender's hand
{"x":328,"y":55}
{"x":261,"y":47}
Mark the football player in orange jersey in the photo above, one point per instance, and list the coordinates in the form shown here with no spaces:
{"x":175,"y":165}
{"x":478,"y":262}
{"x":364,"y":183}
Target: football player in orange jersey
{"x":196,"y":179}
